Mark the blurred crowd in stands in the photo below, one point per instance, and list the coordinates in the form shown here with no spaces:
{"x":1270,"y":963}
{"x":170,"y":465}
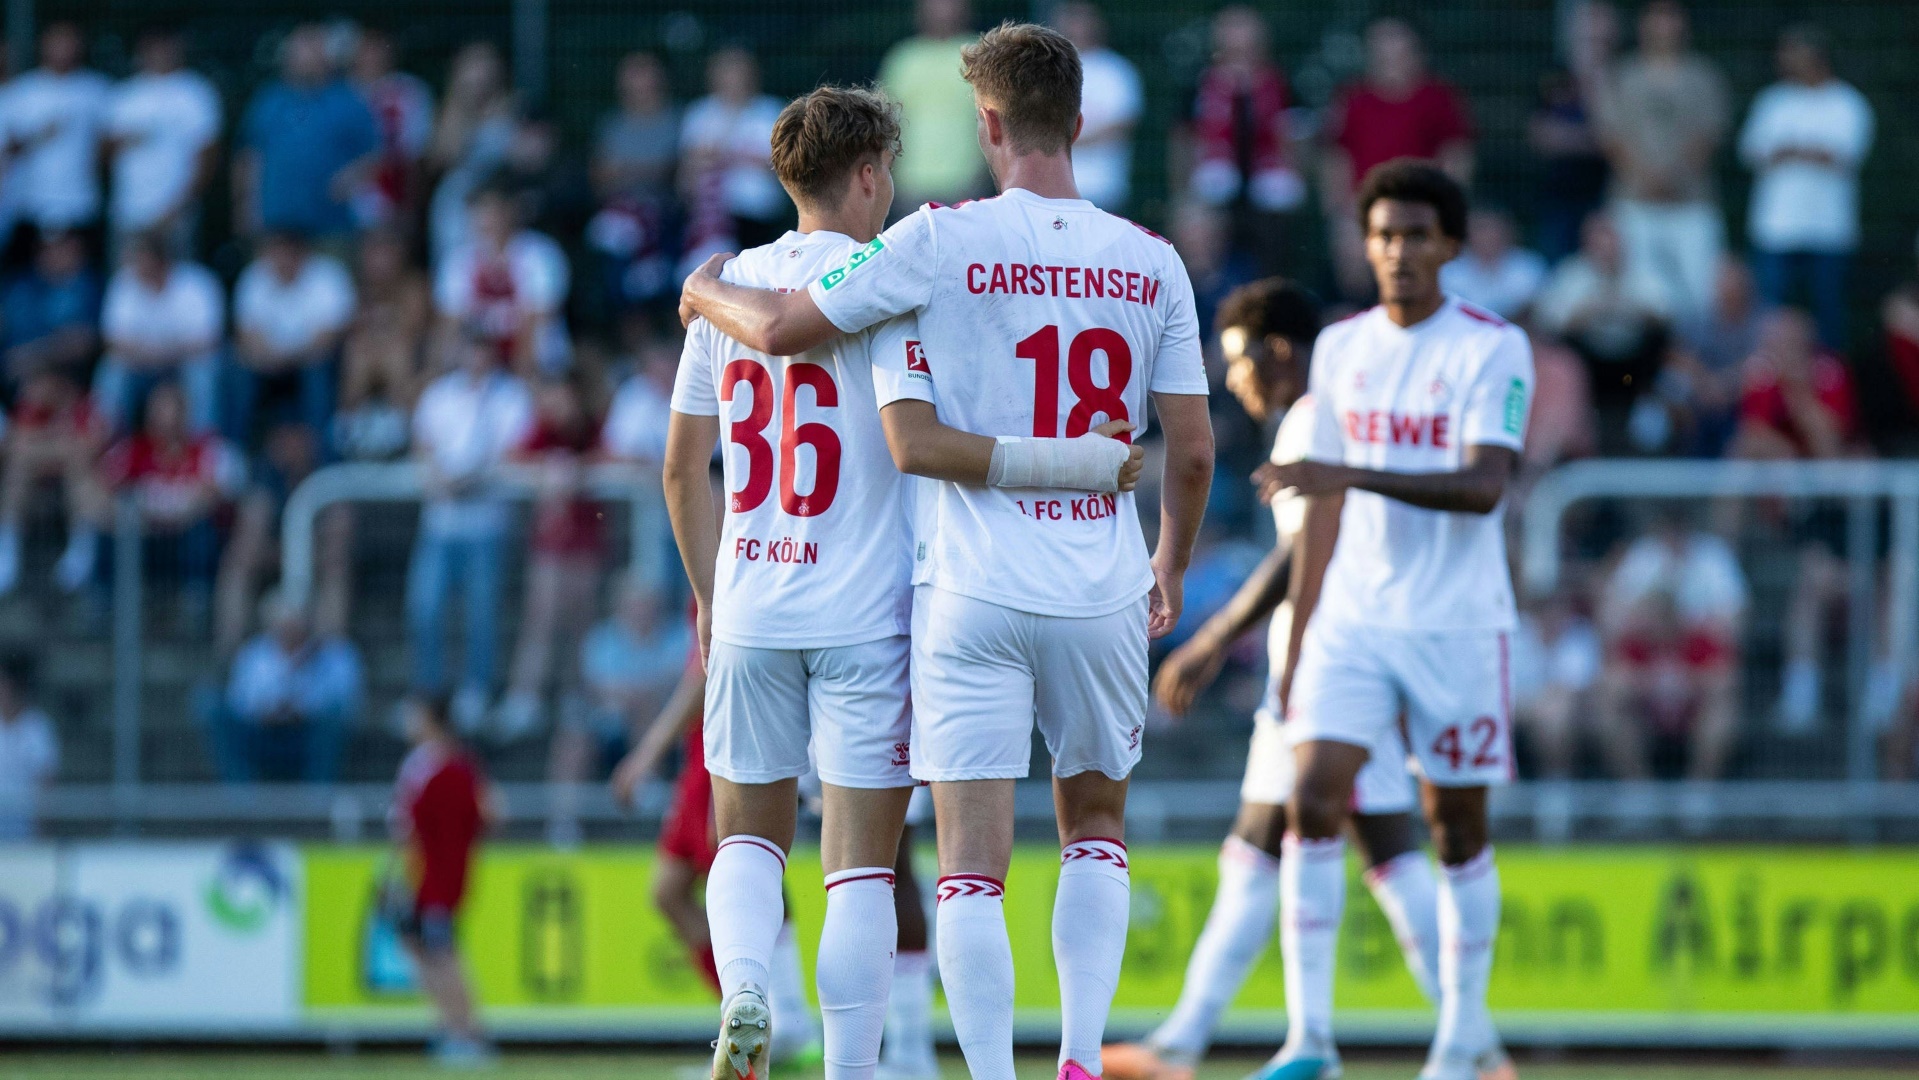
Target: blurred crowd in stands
{"x":433,"y":272}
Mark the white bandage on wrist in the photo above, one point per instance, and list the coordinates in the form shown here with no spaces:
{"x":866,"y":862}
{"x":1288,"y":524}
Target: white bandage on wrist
{"x":1087,"y":463}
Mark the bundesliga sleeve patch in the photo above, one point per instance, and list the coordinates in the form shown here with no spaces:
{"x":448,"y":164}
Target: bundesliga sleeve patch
{"x":859,"y":258}
{"x":1516,"y":408}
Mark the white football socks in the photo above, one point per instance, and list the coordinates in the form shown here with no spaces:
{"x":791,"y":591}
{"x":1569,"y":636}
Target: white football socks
{"x":1089,"y":943}
{"x":744,"y":910}
{"x":854,"y":974}
{"x":908,"y":1045}
{"x":1409,"y":897}
{"x":1312,"y":899}
{"x":1468,"y":926}
{"x":976,"y":970}
{"x":1236,"y":932}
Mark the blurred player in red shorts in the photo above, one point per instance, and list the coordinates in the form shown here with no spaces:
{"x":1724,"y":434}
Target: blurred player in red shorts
{"x":439,"y":812}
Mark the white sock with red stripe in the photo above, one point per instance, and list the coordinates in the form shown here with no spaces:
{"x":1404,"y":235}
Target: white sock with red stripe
{"x":855,"y":969}
{"x":1312,"y":899}
{"x":908,"y":1044}
{"x":1236,"y":932}
{"x":744,"y":909}
{"x":1468,"y":926}
{"x":1089,"y":942}
{"x":1408,"y":894}
{"x":976,"y":970}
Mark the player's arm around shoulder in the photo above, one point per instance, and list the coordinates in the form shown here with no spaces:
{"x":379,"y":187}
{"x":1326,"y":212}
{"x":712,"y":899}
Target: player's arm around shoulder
{"x":775,"y":323}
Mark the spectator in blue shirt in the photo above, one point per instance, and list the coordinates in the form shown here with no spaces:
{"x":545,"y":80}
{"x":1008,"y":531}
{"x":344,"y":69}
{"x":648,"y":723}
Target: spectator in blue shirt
{"x":52,"y":312}
{"x":290,"y":702}
{"x":306,"y":144}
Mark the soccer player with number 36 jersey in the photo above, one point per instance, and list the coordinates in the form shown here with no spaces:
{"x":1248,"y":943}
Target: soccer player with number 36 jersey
{"x":1402,"y":606}
{"x":804,"y":591}
{"x":1038,"y":317}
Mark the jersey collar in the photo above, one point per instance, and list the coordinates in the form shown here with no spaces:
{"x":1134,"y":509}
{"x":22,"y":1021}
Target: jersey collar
{"x":1023,"y":195}
{"x":1444,"y":309}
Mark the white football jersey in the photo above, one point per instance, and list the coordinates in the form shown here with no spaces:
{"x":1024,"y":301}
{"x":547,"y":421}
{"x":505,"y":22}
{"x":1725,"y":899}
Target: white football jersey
{"x":1411,"y":400}
{"x":1293,"y":442}
{"x":815,"y":551}
{"x":1037,"y":317}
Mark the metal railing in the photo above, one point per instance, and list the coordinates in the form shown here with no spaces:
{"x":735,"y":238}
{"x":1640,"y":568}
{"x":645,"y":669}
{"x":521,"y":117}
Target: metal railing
{"x":124,"y":799}
{"x":1861,"y":484}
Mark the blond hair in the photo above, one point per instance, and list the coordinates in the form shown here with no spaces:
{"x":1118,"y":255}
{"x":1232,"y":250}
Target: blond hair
{"x":822,"y":137}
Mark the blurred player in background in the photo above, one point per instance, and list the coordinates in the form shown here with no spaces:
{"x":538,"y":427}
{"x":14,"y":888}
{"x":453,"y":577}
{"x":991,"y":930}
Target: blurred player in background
{"x":1266,"y":331}
{"x":806,"y":596}
{"x":1402,"y":606}
{"x":440,"y":808}
{"x":1038,"y":315}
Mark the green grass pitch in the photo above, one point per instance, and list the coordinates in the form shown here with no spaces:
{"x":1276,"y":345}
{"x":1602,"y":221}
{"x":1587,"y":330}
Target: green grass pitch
{"x":536,"y":1065}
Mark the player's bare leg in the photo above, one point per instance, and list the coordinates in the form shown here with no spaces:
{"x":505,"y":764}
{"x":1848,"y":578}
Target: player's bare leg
{"x":744,"y":910}
{"x":1312,"y":899}
{"x":906,"y":1051}
{"x":1466,"y":1043}
{"x":1090,"y":912}
{"x":975,"y":824}
{"x":859,"y":842}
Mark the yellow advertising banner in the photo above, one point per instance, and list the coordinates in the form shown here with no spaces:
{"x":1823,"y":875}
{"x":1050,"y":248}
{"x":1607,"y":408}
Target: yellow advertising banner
{"x":1587,"y":931}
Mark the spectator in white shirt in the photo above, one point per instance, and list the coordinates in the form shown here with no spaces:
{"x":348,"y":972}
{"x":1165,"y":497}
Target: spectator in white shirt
{"x":291,"y":308}
{"x":508,"y":283}
{"x":291,"y":701}
{"x":1110,"y":101}
{"x":726,"y":161}
{"x":1672,"y":614}
{"x":53,"y":116}
{"x":465,"y":426}
{"x":1493,"y":271}
{"x":635,"y":428}
{"x":1612,"y":312}
{"x":29,"y":751}
{"x":163,"y":132}
{"x":162,"y":320}
{"x":1804,"y":141}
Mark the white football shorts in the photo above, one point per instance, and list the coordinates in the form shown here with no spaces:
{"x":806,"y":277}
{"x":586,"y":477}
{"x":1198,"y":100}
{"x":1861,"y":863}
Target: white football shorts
{"x":1454,"y":687}
{"x":765,"y":706}
{"x":1384,"y":785}
{"x":985,"y":675}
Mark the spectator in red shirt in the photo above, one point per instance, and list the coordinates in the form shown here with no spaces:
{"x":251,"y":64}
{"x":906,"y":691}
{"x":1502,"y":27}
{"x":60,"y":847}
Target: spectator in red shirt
{"x":1240,"y":142}
{"x":53,"y":434}
{"x":568,"y":550}
{"x":179,"y":480}
{"x":440,"y":810}
{"x":1397,"y":110}
{"x":1800,"y":404}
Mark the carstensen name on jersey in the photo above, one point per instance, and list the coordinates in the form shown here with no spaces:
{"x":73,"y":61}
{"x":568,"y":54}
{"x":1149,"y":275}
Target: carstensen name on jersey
{"x":1071,"y":282}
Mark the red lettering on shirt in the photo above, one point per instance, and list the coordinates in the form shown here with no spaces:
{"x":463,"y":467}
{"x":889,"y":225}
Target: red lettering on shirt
{"x":1071,"y":282}
{"x":1399,"y":429}
{"x":999,"y":278}
{"x":975,"y":279}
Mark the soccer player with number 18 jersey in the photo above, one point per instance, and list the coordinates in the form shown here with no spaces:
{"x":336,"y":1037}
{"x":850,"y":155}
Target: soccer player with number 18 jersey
{"x":804,"y":592}
{"x":1038,"y":316}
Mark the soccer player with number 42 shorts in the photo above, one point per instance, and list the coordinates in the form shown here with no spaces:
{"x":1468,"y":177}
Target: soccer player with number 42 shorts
{"x":1403,"y":605}
{"x":1039,"y":316}
{"x":1266,"y":333}
{"x":804,"y":597}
